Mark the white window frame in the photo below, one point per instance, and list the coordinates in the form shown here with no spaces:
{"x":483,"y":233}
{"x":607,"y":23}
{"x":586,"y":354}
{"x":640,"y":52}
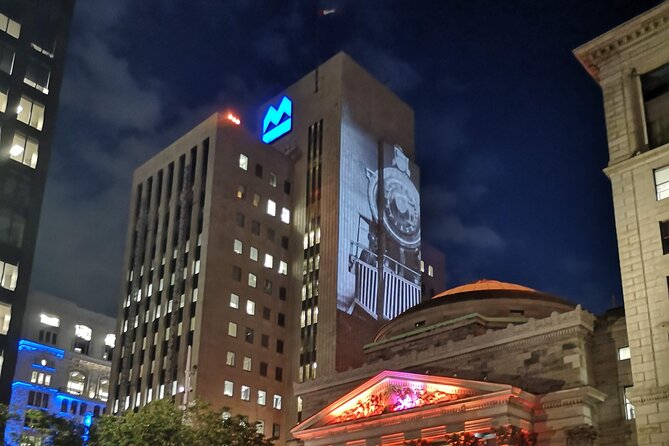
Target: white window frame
{"x":243,"y":162}
{"x":661,"y":178}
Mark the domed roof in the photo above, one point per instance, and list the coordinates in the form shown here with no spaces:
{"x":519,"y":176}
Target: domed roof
{"x":484,"y":285}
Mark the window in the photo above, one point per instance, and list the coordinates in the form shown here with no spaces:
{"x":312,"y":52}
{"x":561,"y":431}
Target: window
{"x":267,"y":287}
{"x":266,"y":313}
{"x":255,"y":227}
{"x":664,"y":233}
{"x":241,"y":192}
{"x":237,"y":273}
{"x":12,"y":226}
{"x":260,"y":427}
{"x":256,"y":200}
{"x":271,"y":234}
{"x":38,"y":399}
{"x":430,"y":271}
{"x":245,"y":393}
{"x":234,"y":300}
{"x":230,"y":359}
{"x":250,"y":307}
{"x":655,"y":89}
{"x":623,"y":353}
{"x":51,"y":321}
{"x":276,"y":402}
{"x":286,"y":187}
{"x":238,"y":246}
{"x":232,"y":329}
{"x":253,"y":253}
{"x":285,"y":215}
{"x":41,"y":378}
{"x":82,"y":339}
{"x":661,"y":183}
{"x":228,"y":388}
{"x":272,"y":179}
{"x":248,"y":335}
{"x":253,"y":280}
{"x":271,"y":207}
{"x":276,"y":430}
{"x":48,"y":337}
{"x":246,"y":366}
{"x":103,"y":389}
{"x":6,"y":58}
{"x":262,"y":397}
{"x":629,"y":407}
{"x":279,"y":346}
{"x":283,"y":293}
{"x":37,"y":76}
{"x":31,"y":113}
{"x":3,"y":100}
{"x":9,"y":275}
{"x":264,"y":341}
{"x":278,"y":374}
{"x":284,"y":242}
{"x":76,"y":383}
{"x":5,"y":319}
{"x":281,"y":320}
{"x":243,"y":162}
{"x":258,"y":170}
{"x":239,"y":219}
{"x":269,"y":261}
{"x":283,"y":268}
{"x":10,"y":26}
{"x":263,"y":369}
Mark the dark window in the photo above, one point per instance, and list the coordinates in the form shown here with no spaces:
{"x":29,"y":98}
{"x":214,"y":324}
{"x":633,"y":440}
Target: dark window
{"x":282,"y":293}
{"x":284,"y":242}
{"x":263,"y":369}
{"x":281,"y":320}
{"x":63,"y":406}
{"x":258,"y":170}
{"x":264,"y":340}
{"x":239,"y":219}
{"x":6,"y":58}
{"x":655,"y":88}
{"x":271,"y":234}
{"x":248,"y":335}
{"x":81,"y":345}
{"x":37,"y":75}
{"x":276,"y":430}
{"x":279,"y":346}
{"x":268,"y":287}
{"x":266,"y":313}
{"x":237,"y":273}
{"x":286,"y":187}
{"x":664,"y":232}
{"x":255,"y":227}
{"x":278,"y":374}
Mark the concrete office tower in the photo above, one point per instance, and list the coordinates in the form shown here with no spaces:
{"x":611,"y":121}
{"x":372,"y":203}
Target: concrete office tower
{"x":203,"y":311}
{"x":33,"y":38}
{"x":631,"y":64}
{"x":357,"y":213}
{"x":63,"y":364}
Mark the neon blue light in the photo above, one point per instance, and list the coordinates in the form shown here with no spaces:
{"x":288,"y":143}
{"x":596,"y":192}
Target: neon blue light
{"x":277,"y":121}
{"x":33,"y":386}
{"x":88,"y":419}
{"x":31,"y":346}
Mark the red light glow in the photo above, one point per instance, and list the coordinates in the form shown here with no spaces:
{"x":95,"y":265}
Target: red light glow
{"x":234,"y":119}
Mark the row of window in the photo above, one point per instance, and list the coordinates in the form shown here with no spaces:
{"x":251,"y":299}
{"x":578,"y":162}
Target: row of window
{"x":82,"y":336}
{"x":255,"y":229}
{"x":244,"y":165}
{"x":268,"y":260}
{"x":251,"y":309}
{"x":271,"y":209}
{"x":245,"y":395}
{"x":247,"y":366}
{"x":249,"y":334}
{"x":252,"y":279}
{"x":73,"y":407}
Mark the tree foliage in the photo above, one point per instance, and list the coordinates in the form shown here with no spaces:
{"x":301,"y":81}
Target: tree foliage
{"x":54,"y":430}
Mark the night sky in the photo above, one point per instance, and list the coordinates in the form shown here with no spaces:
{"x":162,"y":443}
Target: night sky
{"x":509,"y":127}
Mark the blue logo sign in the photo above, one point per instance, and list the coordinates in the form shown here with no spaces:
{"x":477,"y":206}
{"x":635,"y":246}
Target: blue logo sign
{"x":277,"y":121}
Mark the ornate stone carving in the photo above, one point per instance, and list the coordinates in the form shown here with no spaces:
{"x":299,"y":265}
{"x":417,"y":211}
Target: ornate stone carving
{"x":584,"y":435}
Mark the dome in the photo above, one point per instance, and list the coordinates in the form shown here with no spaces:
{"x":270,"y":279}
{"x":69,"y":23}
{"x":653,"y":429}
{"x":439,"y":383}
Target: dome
{"x":484,"y":285}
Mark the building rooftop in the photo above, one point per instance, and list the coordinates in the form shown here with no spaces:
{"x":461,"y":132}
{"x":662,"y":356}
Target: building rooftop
{"x":484,"y":285}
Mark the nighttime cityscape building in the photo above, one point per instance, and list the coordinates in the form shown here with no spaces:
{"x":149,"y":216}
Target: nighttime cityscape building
{"x":631,"y":65}
{"x":64,"y":359}
{"x":33,"y":39}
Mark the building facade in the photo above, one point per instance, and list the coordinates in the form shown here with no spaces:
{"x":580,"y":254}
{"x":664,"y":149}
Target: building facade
{"x":433,"y":271}
{"x":631,"y":65}
{"x":33,"y":39}
{"x":204,"y":311}
{"x":494,"y":362}
{"x":63,"y":365}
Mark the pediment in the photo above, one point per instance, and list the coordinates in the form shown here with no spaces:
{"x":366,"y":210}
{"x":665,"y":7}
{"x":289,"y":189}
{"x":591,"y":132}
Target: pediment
{"x":397,"y":392}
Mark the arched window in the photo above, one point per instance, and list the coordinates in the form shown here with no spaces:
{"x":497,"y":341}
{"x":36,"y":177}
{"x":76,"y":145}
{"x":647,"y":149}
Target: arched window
{"x":76,"y":383}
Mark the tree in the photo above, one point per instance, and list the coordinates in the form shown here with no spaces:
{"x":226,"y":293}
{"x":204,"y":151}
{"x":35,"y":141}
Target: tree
{"x":54,"y":430}
{"x":211,"y":428}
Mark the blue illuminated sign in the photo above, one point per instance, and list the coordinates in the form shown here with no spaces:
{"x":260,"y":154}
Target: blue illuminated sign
{"x":277,"y":121}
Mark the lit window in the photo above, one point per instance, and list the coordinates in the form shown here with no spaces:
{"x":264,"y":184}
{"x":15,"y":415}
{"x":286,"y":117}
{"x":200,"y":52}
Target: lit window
{"x":422,"y":266}
{"x":276,"y":402}
{"x":228,"y":388}
{"x":246,"y":366}
{"x":76,"y":383}
{"x":271,"y":207}
{"x":10,"y":26}
{"x":238,"y":247}
{"x":629,"y":407}
{"x":230,"y":359}
{"x":9,"y":275}
{"x":623,"y":353}
{"x":41,"y":378}
{"x":234,"y":300}
{"x":232,"y":329}
{"x":662,"y":183}
{"x":243,"y":162}
{"x":283,"y":268}
{"x":30,"y":113}
{"x":256,"y":200}
{"x":51,"y":321}
{"x":103,"y":389}
{"x":5,"y":319}
{"x":241,"y":192}
{"x":83,"y":332}
{"x":269,"y":261}
{"x":250,"y":307}
{"x":272,"y":179}
{"x":260,"y":427}
{"x":252,"y":280}
{"x":430,"y":271}
{"x":253,"y":254}
{"x":245,"y":393}
{"x":110,"y":340}
{"x":262,"y":397}
{"x":3,"y":100}
{"x":285,"y":215}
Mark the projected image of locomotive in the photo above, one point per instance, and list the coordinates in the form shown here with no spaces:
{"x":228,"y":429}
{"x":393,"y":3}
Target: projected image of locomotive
{"x":388,"y":240}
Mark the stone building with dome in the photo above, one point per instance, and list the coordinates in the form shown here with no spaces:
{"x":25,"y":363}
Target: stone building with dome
{"x":490,"y":362}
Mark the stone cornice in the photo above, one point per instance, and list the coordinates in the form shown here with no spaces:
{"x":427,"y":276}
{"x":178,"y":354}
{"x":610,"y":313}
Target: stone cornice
{"x":640,"y":395}
{"x":569,"y":397}
{"x":598,"y":50}
{"x":637,"y":159}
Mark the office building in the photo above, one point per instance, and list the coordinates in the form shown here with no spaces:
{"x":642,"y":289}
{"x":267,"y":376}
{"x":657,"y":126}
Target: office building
{"x":631,"y":65}
{"x":63,"y":365}
{"x":33,"y":39}
{"x":204,"y":310}
{"x":433,"y":271}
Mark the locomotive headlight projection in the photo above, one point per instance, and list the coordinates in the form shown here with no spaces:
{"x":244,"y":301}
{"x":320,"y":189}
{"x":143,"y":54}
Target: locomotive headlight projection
{"x":383,"y":234}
